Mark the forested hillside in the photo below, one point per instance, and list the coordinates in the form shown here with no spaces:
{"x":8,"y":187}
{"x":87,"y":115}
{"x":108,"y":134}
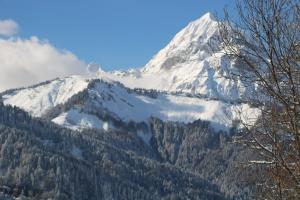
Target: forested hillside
{"x":42,"y":160}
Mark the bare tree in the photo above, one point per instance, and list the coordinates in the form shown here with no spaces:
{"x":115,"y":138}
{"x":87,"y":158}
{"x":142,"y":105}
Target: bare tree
{"x":264,"y":41}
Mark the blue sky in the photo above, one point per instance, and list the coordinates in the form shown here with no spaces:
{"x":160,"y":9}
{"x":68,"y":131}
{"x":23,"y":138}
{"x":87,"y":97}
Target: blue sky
{"x":115,"y":33}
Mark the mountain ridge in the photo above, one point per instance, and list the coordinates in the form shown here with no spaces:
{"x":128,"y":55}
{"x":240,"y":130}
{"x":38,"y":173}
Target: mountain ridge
{"x":87,"y":108}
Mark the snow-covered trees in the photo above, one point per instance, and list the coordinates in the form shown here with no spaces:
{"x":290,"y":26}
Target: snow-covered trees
{"x":44,"y":161}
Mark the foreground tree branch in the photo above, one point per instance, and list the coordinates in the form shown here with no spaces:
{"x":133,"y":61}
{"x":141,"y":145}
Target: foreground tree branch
{"x":264,"y":41}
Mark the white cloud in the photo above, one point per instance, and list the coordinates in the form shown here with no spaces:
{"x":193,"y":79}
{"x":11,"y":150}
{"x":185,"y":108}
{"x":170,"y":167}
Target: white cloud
{"x":8,"y":27}
{"x":24,"y":62}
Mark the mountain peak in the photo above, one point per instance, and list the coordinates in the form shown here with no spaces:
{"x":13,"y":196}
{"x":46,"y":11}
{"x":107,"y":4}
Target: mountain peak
{"x":207,"y":18}
{"x":188,"y":64}
{"x":188,"y":44}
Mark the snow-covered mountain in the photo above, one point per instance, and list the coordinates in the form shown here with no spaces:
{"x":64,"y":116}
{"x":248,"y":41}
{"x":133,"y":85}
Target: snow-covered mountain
{"x":192,"y":62}
{"x":192,"y":79}
{"x":159,"y":132}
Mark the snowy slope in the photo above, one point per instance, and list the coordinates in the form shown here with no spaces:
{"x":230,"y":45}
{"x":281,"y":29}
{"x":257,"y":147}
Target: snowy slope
{"x":120,"y":102}
{"x":76,"y":120}
{"x":37,"y":100}
{"x":188,"y":64}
